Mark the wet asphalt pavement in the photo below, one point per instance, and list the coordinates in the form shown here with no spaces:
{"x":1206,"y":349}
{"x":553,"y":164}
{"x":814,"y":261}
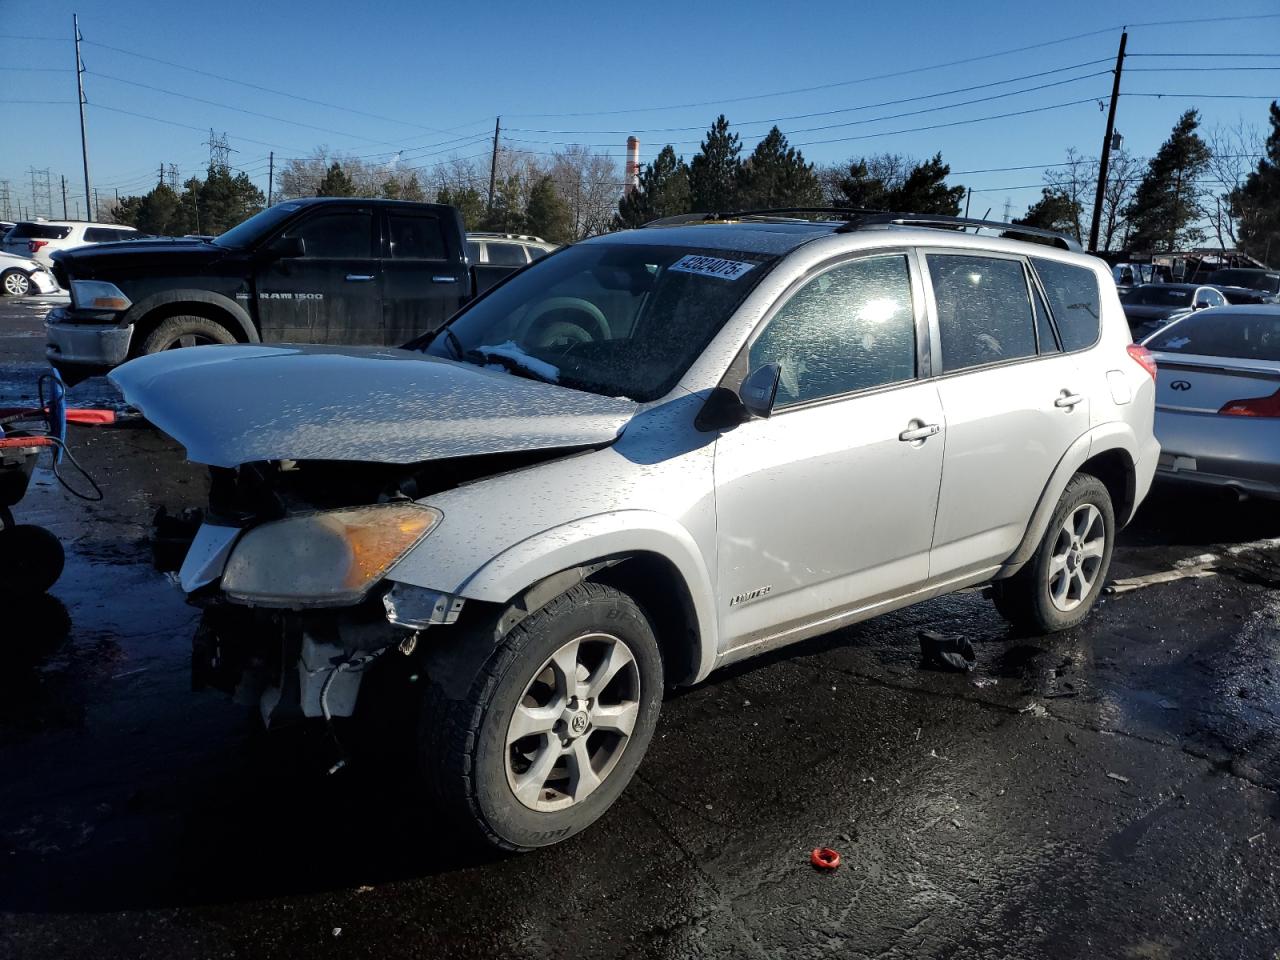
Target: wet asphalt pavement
{"x":1107,"y":792}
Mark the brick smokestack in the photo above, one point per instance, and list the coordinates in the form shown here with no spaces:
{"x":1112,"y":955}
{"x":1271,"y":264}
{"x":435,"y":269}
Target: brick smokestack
{"x":633,"y":164}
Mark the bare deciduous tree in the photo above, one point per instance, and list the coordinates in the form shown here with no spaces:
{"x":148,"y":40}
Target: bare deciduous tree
{"x":1077,"y":180}
{"x":1233,"y":153}
{"x":590,"y":184}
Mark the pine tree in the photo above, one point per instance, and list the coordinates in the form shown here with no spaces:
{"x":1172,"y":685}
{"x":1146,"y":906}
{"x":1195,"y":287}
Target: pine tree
{"x":862,"y":189}
{"x":411,"y":189}
{"x":391,"y":189}
{"x":1257,"y":202}
{"x":776,"y":175}
{"x":1166,"y":205}
{"x":714,"y":170}
{"x":1055,"y":210}
{"x":506,"y":215}
{"x":662,"y":191}
{"x":925,"y":190}
{"x":468,"y":202}
{"x":336,"y":183}
{"x":547,"y":215}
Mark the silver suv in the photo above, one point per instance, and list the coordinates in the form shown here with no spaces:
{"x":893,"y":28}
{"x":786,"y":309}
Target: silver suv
{"x":651,"y":455}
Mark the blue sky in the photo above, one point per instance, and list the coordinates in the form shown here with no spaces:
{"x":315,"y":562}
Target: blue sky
{"x":435,"y":75}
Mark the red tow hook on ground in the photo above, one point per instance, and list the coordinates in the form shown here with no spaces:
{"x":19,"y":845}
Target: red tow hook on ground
{"x":824,"y":858}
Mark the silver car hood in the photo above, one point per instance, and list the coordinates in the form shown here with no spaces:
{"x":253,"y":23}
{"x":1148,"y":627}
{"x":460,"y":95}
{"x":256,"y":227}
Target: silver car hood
{"x":230,"y":405}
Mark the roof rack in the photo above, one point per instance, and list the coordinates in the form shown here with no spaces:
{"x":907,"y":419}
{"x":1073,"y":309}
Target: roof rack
{"x":955,"y":223}
{"x":856,"y":219}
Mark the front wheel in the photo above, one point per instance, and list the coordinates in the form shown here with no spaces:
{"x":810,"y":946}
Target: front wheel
{"x":185,"y":331}
{"x":15,"y":283}
{"x":553,"y":725}
{"x":1060,"y":584}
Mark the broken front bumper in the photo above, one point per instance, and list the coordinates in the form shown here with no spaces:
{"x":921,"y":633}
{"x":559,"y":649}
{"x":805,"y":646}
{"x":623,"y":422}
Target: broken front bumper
{"x":98,"y":343}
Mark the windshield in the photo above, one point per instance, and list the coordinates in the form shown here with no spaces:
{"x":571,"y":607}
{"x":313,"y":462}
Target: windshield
{"x":615,"y":319}
{"x":260,"y":223}
{"x":1157,"y":296}
{"x":1254,"y":279}
{"x":1217,"y":333}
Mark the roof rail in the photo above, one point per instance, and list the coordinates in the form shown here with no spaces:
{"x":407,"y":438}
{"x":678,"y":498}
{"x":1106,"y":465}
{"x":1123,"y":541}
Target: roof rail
{"x":856,"y":219}
{"x":950,"y":223}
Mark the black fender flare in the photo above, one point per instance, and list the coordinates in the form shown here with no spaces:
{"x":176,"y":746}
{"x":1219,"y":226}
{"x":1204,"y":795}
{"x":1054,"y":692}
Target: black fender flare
{"x":243,"y":326}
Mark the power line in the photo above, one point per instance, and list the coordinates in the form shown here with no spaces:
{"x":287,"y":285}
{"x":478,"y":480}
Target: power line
{"x":827,"y":113}
{"x":175,"y":123}
{"x":1234,"y":56}
{"x":259,"y":87}
{"x":227,"y":106}
{"x":18,"y":36}
{"x":1209,"y":96}
{"x":1196,"y":69}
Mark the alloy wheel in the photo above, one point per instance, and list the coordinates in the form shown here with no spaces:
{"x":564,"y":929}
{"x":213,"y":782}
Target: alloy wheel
{"x":1077,"y":556}
{"x":17,"y":284}
{"x":573,"y":722}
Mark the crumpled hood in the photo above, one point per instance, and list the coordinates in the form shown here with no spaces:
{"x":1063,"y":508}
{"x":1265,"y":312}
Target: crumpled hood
{"x":230,"y":405}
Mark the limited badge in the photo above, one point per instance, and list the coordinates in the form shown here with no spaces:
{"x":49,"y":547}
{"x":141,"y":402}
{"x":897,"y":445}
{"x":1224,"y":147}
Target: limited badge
{"x":711,"y":267}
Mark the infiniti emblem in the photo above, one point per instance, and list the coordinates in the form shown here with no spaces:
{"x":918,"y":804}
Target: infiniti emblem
{"x":1180,"y":385}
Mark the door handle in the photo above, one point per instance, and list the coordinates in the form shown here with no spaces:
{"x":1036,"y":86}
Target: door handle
{"x":1068,"y":400}
{"x":359,"y":277}
{"x":443,"y":279}
{"x":922,"y":432}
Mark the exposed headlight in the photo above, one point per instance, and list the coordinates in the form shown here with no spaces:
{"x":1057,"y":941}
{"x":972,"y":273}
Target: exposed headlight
{"x":324,"y":559}
{"x":98,"y":295}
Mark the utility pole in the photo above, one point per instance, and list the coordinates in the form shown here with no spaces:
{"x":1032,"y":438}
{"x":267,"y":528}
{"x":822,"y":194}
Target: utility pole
{"x":84,"y":143}
{"x":95,"y":204}
{"x":160,"y":182}
{"x":271,"y":176}
{"x":493,"y":163}
{"x":1096,"y":220}
{"x":64,"y":197}
{"x":967,"y":197}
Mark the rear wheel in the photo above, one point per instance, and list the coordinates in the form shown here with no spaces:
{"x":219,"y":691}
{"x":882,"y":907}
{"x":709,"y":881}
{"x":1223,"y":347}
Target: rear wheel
{"x":185,"y":331}
{"x":553,"y":724}
{"x":31,"y":560}
{"x":1060,"y":584}
{"x":15,"y":283}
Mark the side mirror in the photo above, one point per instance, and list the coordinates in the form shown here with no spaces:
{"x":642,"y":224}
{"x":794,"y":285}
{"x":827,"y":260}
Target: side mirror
{"x":287,"y":248}
{"x":760,"y":389}
{"x":1201,"y":304}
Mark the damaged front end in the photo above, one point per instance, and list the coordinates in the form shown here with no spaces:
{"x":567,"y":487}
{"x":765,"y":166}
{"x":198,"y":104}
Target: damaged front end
{"x":290,"y":567}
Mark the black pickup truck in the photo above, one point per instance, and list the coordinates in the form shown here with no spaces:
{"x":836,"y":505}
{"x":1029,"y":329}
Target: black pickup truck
{"x":324,"y":270}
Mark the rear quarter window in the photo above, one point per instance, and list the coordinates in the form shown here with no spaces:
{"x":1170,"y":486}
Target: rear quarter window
{"x":1074,"y":301}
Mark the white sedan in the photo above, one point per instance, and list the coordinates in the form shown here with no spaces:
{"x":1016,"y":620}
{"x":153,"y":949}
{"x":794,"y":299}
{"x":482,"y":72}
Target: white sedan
{"x":20,"y":276}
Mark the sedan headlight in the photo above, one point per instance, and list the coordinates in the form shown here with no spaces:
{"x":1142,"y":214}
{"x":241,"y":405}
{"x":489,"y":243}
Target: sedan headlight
{"x":324,"y":559}
{"x":98,"y":295}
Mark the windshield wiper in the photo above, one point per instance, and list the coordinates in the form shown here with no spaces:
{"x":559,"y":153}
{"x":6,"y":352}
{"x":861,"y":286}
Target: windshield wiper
{"x":530,"y":367}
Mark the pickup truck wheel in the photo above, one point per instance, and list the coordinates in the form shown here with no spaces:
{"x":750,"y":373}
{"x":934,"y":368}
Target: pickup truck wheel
{"x":15,"y":283}
{"x":185,"y":331}
{"x":552,"y":726}
{"x":1060,"y":584}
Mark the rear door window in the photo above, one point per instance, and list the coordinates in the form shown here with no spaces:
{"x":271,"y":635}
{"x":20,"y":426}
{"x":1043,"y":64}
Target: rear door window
{"x":1074,"y":300}
{"x":473,"y":251}
{"x":851,"y":328}
{"x":415,"y":237}
{"x":38,"y":231}
{"x":984,"y":310}
{"x":1245,"y":336}
{"x":102,"y":235}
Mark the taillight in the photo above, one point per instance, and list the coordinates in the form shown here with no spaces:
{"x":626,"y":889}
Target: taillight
{"x":1143,"y":358}
{"x":1268,"y":406}
{"x":34,"y":245}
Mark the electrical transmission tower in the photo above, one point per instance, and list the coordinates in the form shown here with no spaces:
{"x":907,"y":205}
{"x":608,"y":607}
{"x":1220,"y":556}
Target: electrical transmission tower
{"x":219,"y":150}
{"x":6,"y":202}
{"x":172,"y":177}
{"x":41,"y":192}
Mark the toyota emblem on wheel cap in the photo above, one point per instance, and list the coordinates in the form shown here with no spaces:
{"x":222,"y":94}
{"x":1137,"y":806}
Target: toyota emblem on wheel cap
{"x":1180,"y":385}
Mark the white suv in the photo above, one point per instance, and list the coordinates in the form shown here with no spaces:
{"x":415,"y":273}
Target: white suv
{"x":39,"y":239}
{"x":506,"y":249}
{"x":651,"y":455}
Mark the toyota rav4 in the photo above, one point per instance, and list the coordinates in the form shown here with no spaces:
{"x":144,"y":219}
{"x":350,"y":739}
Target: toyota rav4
{"x":642,"y":458}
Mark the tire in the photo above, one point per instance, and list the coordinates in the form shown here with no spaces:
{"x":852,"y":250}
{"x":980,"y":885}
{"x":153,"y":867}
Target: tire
{"x":15,"y":283}
{"x":493,"y":785}
{"x":185,"y":331}
{"x":1050,"y":594}
{"x":31,"y":560}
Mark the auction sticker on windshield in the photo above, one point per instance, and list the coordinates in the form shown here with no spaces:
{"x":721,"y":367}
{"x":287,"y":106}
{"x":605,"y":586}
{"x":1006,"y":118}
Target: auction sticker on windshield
{"x":711,"y":267}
